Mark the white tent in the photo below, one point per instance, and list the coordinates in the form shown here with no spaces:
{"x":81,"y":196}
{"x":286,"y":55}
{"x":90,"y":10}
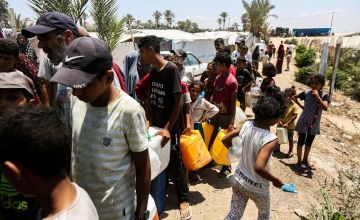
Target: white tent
{"x":228,"y":36}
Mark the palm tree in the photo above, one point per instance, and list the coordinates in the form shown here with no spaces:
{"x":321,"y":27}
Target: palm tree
{"x":235,"y":26}
{"x":19,"y":22}
{"x":138,"y":23}
{"x":219,"y":21}
{"x":83,"y":19}
{"x":4,"y":13}
{"x":245,"y":21}
{"x":169,"y":17}
{"x":74,"y":8}
{"x":224,"y":15}
{"x":157,"y":16}
{"x":129,"y":20}
{"x":109,"y":28}
{"x":258,"y":12}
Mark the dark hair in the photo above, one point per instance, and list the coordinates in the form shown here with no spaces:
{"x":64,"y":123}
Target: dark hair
{"x":241,"y":59}
{"x":290,"y":91}
{"x":35,"y":138}
{"x":227,"y":50}
{"x":200,"y":84}
{"x":272,"y":105}
{"x":244,"y":48}
{"x":315,"y":77}
{"x":9,"y":47}
{"x":219,"y":41}
{"x":223,"y":58}
{"x":150,"y":41}
{"x":269,"y":70}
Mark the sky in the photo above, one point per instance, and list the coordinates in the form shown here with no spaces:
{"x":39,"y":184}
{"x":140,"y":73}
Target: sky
{"x":291,"y":13}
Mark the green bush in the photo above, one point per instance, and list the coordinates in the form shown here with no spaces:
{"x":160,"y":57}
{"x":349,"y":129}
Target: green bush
{"x":302,"y":75}
{"x":300,"y":49}
{"x":341,"y":80}
{"x":291,"y":41}
{"x":352,"y":85}
{"x":306,"y":58}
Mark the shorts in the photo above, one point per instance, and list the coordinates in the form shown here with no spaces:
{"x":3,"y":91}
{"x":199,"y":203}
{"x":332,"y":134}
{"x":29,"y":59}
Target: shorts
{"x":290,"y":134}
{"x":306,"y":139}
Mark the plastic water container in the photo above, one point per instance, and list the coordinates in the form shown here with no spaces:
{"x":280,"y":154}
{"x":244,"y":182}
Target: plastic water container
{"x":154,"y":163}
{"x":282,"y":135}
{"x":195,"y":154}
{"x":218,"y":150}
{"x":240,"y":116}
{"x":151,"y":207}
{"x":235,"y":150}
{"x":208,"y":130}
{"x":259,"y":81}
{"x":162,"y":152}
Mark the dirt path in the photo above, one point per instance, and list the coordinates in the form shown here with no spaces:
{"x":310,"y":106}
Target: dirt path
{"x":211,"y":197}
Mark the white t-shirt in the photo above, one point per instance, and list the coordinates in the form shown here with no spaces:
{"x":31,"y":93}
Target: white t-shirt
{"x":200,"y":107}
{"x":103,"y":138}
{"x":81,"y":209}
{"x":253,"y":140}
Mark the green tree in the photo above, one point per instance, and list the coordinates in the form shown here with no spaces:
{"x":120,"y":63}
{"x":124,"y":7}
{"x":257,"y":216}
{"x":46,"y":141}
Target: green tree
{"x":19,"y":22}
{"x":83,"y":19}
{"x":257,"y":13}
{"x":109,"y":28}
{"x":219,"y":21}
{"x":224,"y":15}
{"x":74,"y":8}
{"x":149,"y":24}
{"x":129,"y":20}
{"x":138,"y":24}
{"x":245,"y":21}
{"x":4,"y":13}
{"x":188,"y":26}
{"x":235,"y":26}
{"x":157,"y":16}
{"x":169,"y":17}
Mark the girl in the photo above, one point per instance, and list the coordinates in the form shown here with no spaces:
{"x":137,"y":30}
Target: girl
{"x":269,"y":72}
{"x":288,"y":121}
{"x":315,"y":101}
{"x":252,"y":178}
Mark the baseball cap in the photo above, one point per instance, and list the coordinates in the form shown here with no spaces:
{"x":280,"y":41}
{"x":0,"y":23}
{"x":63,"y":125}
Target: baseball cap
{"x":179,"y":52}
{"x":239,"y":40}
{"x":85,"y":58}
{"x":16,"y":80}
{"x":50,"y":21}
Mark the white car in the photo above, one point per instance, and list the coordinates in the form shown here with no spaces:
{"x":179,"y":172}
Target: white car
{"x":194,"y":68}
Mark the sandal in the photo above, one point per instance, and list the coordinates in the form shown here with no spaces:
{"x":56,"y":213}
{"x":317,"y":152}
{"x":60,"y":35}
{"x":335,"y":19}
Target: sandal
{"x":301,"y":166}
{"x":194,"y":177}
{"x":289,"y":155}
{"x":186,"y":214}
{"x":309,"y":164}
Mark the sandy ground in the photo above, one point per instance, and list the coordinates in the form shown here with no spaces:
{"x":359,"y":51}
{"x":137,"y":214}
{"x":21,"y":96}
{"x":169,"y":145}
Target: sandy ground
{"x":210,"y":198}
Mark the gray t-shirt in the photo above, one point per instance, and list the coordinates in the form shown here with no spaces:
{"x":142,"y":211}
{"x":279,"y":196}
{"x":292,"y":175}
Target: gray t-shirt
{"x":311,"y":115}
{"x":81,"y":209}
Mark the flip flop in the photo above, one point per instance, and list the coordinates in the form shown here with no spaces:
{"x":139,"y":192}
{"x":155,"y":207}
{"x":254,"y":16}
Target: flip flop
{"x":310,"y":165}
{"x":186,"y":214}
{"x":302,"y":167}
{"x":289,"y":155}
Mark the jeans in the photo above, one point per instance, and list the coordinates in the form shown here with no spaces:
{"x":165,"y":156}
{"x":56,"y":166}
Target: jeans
{"x":158,"y":191}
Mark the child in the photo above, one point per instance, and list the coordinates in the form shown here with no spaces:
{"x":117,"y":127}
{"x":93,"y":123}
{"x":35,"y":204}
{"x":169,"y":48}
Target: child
{"x":288,"y":121}
{"x":252,"y":178}
{"x":269,"y":71}
{"x":35,"y":149}
{"x":288,"y":59}
{"x":201,"y":109}
{"x":266,"y":58}
{"x":109,"y":127}
{"x":224,"y":98}
{"x":209,"y":81}
{"x":244,"y":79}
{"x":16,"y":90}
{"x":308,"y":125}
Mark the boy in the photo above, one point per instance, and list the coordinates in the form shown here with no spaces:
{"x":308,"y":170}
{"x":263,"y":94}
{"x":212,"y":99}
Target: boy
{"x":163,"y":112}
{"x":34,"y":149}
{"x":224,"y":98}
{"x":244,"y":53}
{"x":244,"y":79}
{"x":16,"y":90}
{"x":110,"y":158}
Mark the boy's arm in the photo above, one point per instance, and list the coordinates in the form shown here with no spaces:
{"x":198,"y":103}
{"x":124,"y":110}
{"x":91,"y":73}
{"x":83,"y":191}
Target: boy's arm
{"x":228,"y":137}
{"x":143,"y":176}
{"x":232,"y":110}
{"x":187,"y":118}
{"x":210,"y":109}
{"x":290,"y":120}
{"x":261,"y":161}
{"x":324,"y":104}
{"x":295,"y":99}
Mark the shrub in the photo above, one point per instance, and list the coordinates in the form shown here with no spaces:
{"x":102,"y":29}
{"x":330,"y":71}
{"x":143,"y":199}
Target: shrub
{"x":300,"y":49}
{"x":341,"y":80}
{"x":305,"y":58}
{"x":291,"y":41}
{"x":302,"y":75}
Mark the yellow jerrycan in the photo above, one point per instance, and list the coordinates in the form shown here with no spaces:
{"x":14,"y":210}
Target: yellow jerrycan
{"x":195,"y":154}
{"x":218,"y":151}
{"x":208,"y":130}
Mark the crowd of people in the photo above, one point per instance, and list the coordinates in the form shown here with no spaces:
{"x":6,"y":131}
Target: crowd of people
{"x":74,"y":126}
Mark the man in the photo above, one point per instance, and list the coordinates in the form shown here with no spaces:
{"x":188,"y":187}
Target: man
{"x":219,"y":45}
{"x":55,"y":31}
{"x":245,"y":53}
{"x":179,"y":57}
{"x":240,"y":42}
{"x":110,"y":157}
{"x":163,"y":112}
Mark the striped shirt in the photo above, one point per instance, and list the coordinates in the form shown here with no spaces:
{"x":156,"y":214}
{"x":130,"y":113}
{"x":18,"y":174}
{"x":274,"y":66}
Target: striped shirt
{"x":101,"y":163}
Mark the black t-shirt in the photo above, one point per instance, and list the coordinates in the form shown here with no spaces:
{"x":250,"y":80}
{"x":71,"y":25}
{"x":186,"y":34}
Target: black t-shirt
{"x":15,"y":206}
{"x":243,"y":77}
{"x":163,"y":85}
